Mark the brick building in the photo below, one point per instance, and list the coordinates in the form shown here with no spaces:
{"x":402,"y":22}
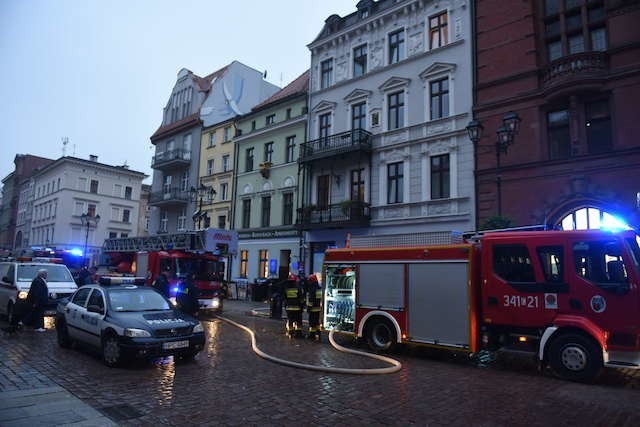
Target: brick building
{"x":570,"y":69}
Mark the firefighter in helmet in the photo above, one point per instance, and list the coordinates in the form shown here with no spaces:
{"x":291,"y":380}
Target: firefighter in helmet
{"x":314,"y":304}
{"x":294,"y":304}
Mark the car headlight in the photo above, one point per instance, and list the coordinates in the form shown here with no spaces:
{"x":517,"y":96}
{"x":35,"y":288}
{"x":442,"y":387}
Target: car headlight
{"x":22,"y":295}
{"x":215,"y":303}
{"x":198,"y":328}
{"x":136,"y":333}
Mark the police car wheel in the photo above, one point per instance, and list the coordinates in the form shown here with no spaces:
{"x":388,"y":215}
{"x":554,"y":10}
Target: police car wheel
{"x":62,"y":333}
{"x":111,"y":352}
{"x":10,"y":313}
{"x":575,"y":357}
{"x":380,"y":335}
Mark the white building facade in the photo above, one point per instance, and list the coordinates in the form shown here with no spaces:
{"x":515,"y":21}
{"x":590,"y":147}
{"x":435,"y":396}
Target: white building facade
{"x":390,"y":96}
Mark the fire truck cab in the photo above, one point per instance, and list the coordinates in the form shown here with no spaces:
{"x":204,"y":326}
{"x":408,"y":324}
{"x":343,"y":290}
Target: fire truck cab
{"x":572,"y":298}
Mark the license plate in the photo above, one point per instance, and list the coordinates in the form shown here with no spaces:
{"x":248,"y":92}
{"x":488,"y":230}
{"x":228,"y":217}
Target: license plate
{"x":175,"y":344}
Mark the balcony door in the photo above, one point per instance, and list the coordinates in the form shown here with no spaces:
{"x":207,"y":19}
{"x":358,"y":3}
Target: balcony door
{"x":322,"y":196}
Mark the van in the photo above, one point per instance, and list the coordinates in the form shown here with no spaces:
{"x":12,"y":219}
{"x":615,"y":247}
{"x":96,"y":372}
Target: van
{"x":16,"y":278}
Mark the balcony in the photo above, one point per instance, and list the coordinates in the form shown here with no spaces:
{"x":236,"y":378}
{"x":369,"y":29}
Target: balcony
{"x":171,"y":197}
{"x":347,"y":214}
{"x":334,"y":145}
{"x":575,"y":69}
{"x":171,"y":159}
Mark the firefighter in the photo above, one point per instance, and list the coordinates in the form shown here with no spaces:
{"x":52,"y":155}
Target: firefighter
{"x":314,"y":303}
{"x":187,"y":296}
{"x":294,"y":304}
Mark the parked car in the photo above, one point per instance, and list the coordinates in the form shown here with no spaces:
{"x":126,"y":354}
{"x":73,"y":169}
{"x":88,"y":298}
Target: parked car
{"x":16,"y":278}
{"x":126,"y":320}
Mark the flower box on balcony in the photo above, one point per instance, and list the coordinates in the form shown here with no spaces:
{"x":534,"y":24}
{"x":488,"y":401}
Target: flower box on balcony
{"x":264,"y":169}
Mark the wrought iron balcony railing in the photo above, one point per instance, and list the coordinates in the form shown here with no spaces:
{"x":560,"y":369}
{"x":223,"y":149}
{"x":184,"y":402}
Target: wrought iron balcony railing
{"x":169,"y":196}
{"x":347,"y":213}
{"x":337,"y":144}
{"x":169,"y":158}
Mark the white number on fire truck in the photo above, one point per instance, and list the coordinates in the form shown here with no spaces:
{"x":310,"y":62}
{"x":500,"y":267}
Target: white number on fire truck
{"x":528,"y":301}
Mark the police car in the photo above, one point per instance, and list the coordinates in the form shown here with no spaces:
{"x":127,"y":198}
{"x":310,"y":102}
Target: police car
{"x":126,"y":319}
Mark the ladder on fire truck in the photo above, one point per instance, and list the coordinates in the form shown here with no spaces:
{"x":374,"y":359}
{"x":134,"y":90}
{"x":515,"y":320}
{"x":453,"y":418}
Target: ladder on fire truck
{"x":188,"y":241}
{"x":409,"y":239}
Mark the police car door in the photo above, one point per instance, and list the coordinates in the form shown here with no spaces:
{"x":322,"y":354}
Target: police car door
{"x":92,"y":318}
{"x":73,"y":312}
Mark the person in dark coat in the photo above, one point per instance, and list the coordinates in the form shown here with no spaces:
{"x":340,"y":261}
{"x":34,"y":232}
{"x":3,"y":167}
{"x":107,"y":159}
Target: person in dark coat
{"x":37,"y":300}
{"x":161,"y":285}
{"x":187,"y":296}
{"x":84,"y":277}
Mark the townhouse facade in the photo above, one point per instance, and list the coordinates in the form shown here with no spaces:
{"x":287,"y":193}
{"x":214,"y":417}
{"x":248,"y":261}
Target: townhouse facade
{"x":267,"y":178}
{"x":570,"y":70}
{"x":387,"y":151}
{"x":195,"y":102}
{"x":75,"y":203}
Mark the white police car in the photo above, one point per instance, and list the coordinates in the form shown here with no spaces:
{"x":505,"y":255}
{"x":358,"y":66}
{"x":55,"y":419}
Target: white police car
{"x":126,"y":320}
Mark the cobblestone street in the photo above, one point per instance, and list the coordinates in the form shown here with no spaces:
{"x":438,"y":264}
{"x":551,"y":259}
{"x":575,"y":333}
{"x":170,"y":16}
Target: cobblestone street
{"x":229,"y":385}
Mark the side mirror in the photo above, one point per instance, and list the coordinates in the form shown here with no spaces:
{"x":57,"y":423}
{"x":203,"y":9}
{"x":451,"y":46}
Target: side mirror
{"x":7,"y":279}
{"x":95,"y":309}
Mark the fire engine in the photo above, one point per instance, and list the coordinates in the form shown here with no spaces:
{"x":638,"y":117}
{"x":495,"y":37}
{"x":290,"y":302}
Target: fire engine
{"x":177,"y":255}
{"x":572,"y":298}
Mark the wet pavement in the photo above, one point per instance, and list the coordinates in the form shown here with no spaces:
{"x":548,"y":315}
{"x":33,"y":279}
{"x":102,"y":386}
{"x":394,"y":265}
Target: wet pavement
{"x":228,"y":384}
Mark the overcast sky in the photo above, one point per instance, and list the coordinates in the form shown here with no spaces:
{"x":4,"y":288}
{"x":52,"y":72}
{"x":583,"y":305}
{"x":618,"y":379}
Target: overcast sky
{"x":100,"y":72}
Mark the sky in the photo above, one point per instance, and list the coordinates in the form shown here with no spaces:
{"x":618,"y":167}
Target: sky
{"x":100,"y":72}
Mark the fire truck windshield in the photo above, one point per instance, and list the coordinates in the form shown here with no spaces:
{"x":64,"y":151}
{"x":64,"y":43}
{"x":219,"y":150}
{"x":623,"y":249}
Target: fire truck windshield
{"x":634,"y":246}
{"x":204,"y":269}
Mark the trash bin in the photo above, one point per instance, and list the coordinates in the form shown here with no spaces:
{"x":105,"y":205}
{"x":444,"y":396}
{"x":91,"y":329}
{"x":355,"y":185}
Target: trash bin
{"x":276,"y":306}
{"x":259,"y":290}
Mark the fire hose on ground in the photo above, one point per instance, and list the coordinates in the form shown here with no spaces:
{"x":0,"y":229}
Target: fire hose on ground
{"x":396,"y":366}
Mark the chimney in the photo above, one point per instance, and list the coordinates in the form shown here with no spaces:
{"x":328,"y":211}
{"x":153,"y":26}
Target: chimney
{"x":93,"y":158}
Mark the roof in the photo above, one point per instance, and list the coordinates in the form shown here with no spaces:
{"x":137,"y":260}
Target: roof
{"x":88,"y":162}
{"x":299,"y":86}
{"x":180,"y":124}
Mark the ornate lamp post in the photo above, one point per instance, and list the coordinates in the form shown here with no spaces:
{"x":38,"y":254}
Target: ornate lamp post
{"x":88,"y":221}
{"x":198,"y":195}
{"x":505,"y":137}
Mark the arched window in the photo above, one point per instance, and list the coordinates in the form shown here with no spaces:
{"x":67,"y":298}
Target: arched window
{"x":591,"y":218}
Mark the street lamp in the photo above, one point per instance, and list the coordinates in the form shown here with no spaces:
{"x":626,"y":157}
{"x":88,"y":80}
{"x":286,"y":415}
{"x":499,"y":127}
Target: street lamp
{"x":198,"y":194}
{"x":505,"y":137}
{"x":88,"y":221}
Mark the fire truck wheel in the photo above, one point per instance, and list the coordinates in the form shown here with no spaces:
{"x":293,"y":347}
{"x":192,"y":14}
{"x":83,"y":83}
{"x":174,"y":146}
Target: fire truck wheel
{"x":380,"y":335}
{"x":575,"y":357}
{"x":111,"y":351}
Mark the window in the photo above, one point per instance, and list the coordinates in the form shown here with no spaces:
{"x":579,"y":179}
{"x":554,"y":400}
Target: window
{"x":166,"y":185}
{"x":124,"y":235}
{"x":212,"y":139}
{"x":164,"y":221}
{"x":326,"y":73}
{"x":512,"y":263}
{"x":127,"y":192}
{"x":96,"y":299}
{"x":182,"y":219}
{"x":270,"y":119}
{"x":244,"y":263}
{"x":394,"y":182}
{"x":113,"y":235}
{"x":291,"y":145}
{"x":126,"y":214}
{"x":578,"y":27}
{"x":210,"y":167}
{"x":186,"y":146}
{"x":78,"y":209}
{"x":225,"y":163}
{"x":115,"y":214}
{"x":82,"y":185}
{"x":248,"y":165}
{"x":227,"y":134}
{"x":439,"y":93}
{"x":266,"y":212}
{"x":222,"y":221}
{"x":438,"y":31}
{"x":357,"y":185}
{"x":396,"y":46}
{"x":324,"y":127}
{"x":360,"y":60}
{"x":600,"y":262}
{"x":224,"y":191}
{"x":184,"y":181}
{"x":246,"y":213}
{"x":268,"y":152}
{"x":440,"y":177}
{"x":558,"y":134}
{"x":80,"y":297}
{"x":395,"y":117}
{"x":551,"y":260}
{"x":263,"y":267}
{"x":117,"y":190}
{"x":253,"y":125}
{"x":91,"y":209}
{"x":287,"y":208}
{"x":324,"y":183}
{"x":94,"y":186}
{"x":288,"y":113}
{"x":358,"y":116}
{"x":598,"y":125}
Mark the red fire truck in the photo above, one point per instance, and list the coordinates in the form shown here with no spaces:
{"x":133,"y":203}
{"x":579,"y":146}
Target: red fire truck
{"x":177,"y":255}
{"x":572,"y":298}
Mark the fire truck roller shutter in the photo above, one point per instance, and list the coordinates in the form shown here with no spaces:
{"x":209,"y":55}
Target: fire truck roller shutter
{"x":439,"y":303}
{"x":381,"y":286}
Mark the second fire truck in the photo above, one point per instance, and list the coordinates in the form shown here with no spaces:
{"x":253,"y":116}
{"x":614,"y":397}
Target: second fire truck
{"x":572,"y":298}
